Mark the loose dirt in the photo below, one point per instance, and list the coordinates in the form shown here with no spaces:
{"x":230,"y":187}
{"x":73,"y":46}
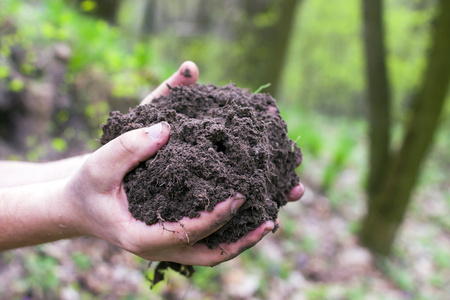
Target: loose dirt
{"x":223,"y":140}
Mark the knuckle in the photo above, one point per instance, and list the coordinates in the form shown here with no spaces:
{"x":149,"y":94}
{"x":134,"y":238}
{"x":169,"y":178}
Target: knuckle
{"x":125,"y":144}
{"x":91,"y":171}
{"x":130,"y":246}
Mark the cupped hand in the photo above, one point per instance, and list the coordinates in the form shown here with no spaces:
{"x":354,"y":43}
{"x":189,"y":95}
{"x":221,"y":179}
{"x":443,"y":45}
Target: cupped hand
{"x":100,"y":206}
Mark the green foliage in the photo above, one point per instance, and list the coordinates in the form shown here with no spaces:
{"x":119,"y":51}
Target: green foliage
{"x":81,"y":260}
{"x":340,"y":154}
{"x":206,"y":279}
{"x":331,"y":140}
{"x":16,"y":85}
{"x":93,"y":42}
{"x":302,"y":128}
{"x":88,"y":5}
{"x":318,"y":293}
{"x":403,"y":279}
{"x":42,"y":273}
{"x":4,"y":72}
{"x":104,"y":63}
{"x":324,"y":69}
{"x":408,"y":28}
{"x":309,"y":244}
{"x":442,"y":258}
{"x":59,"y":144}
{"x":267,"y":18}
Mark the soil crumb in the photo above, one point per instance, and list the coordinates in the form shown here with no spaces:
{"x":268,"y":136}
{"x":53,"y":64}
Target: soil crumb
{"x":223,"y":140}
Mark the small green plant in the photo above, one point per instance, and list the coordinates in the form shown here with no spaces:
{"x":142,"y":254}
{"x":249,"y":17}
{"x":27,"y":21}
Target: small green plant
{"x":341,"y":152}
{"x":81,"y":260}
{"x":59,"y":144}
{"x":442,"y":258}
{"x":16,"y":85}
{"x":264,"y":86}
{"x":309,"y":244}
{"x":42,"y":272}
{"x":207,"y":279}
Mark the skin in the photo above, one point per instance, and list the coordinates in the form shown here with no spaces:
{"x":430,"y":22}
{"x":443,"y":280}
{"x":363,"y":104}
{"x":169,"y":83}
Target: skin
{"x":41,"y":203}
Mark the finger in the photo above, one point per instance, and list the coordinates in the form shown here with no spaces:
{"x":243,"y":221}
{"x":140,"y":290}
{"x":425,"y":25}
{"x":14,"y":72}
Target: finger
{"x":186,"y":75}
{"x":189,"y":231}
{"x":201,"y":255}
{"x":296,"y":193}
{"x":299,"y":161}
{"x":121,"y":155}
{"x":273,"y":110}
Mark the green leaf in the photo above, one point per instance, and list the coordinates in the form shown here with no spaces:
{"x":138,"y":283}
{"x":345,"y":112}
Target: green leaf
{"x":4,"y":72}
{"x":81,"y":260}
{"x":59,"y":144}
{"x":265,"y":86}
{"x":88,"y":5}
{"x":16,"y":85}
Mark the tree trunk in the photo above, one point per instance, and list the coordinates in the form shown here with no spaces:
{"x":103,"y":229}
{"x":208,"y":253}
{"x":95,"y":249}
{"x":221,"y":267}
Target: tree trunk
{"x":105,"y":9}
{"x":378,"y":94}
{"x":264,"y":41}
{"x":387,"y":210}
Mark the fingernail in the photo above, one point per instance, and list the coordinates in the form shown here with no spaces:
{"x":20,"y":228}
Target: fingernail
{"x":238,"y":200}
{"x":154,"y":131}
{"x":186,"y":73}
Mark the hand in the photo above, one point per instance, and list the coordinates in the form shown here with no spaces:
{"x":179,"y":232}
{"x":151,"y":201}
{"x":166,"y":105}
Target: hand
{"x":187,"y":74}
{"x":100,"y":201}
{"x":92,"y":201}
{"x":100,"y":207}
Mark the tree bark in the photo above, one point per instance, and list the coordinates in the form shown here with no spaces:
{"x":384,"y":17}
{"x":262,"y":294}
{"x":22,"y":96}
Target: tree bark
{"x":387,"y":210}
{"x":379,"y":97}
{"x":265,"y":46}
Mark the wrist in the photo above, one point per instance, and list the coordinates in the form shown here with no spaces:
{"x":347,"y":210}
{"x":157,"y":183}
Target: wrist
{"x":63,"y":211}
{"x":71,"y":214}
{"x":35,"y":214}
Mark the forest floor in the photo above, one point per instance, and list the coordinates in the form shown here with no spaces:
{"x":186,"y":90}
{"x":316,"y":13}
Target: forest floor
{"x":314,"y":255}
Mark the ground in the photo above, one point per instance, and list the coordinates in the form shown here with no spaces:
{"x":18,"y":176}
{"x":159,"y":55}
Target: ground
{"x":314,"y":255}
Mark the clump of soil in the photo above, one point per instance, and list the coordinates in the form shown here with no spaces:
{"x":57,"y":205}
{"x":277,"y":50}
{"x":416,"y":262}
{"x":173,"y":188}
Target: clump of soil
{"x":223,"y":140}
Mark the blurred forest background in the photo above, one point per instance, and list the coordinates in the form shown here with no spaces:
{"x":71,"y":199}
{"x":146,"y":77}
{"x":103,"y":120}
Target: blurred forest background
{"x":362,"y":84}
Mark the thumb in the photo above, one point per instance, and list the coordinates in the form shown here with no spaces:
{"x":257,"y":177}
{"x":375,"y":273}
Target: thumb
{"x":121,"y":155}
{"x":186,"y":74}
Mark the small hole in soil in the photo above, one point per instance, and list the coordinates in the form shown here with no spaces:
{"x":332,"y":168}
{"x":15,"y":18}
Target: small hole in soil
{"x":220,"y":146}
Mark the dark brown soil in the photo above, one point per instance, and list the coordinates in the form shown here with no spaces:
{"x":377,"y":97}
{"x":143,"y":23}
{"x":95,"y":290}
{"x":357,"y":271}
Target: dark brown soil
{"x":223,"y":140}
